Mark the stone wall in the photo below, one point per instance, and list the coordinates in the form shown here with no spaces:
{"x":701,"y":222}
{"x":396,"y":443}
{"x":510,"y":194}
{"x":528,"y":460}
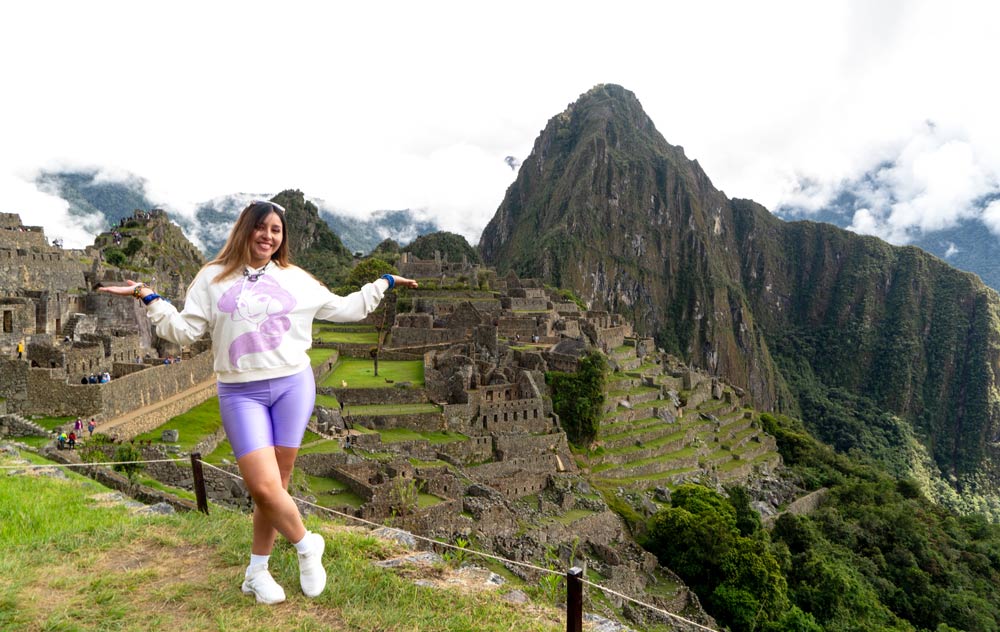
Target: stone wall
{"x":419,"y":336}
{"x":39,"y":270}
{"x":17,"y":322}
{"x":159,"y":415}
{"x":475,"y":450}
{"x":540,"y":304}
{"x":15,"y":426}
{"x":326,"y":366}
{"x":611,"y":338}
{"x":48,"y":392}
{"x":423,"y":422}
{"x":14,"y":383}
{"x":519,"y":415}
{"x":506,"y":447}
{"x":360,"y":396}
{"x":517,"y":477}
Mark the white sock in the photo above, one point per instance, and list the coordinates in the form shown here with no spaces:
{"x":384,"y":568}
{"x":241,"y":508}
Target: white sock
{"x":258,"y":560}
{"x":302,"y":546}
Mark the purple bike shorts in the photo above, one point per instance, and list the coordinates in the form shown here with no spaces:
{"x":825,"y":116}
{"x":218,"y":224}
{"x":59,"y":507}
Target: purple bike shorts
{"x":267,"y":413}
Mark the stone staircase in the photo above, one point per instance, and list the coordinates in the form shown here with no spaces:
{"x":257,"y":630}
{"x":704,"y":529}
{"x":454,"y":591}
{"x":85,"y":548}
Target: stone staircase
{"x":14,"y":425}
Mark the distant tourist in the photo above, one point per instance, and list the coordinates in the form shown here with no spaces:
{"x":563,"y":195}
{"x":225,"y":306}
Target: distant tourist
{"x":20,"y":350}
{"x":259,"y":308}
{"x":78,"y":425}
{"x":71,"y":439}
{"x":92,"y":379}
{"x":90,"y":426}
{"x":62,"y":439}
{"x":84,"y":380}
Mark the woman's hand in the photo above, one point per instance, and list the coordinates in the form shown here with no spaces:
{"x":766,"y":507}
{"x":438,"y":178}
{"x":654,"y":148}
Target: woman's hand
{"x":122,"y":290}
{"x":403,"y":281}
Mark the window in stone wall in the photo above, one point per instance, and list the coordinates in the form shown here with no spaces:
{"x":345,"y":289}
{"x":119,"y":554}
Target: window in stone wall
{"x":8,"y":321}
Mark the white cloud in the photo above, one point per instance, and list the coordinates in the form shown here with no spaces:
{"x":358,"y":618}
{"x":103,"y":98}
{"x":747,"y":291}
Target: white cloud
{"x":952,"y":250}
{"x":991,"y":217}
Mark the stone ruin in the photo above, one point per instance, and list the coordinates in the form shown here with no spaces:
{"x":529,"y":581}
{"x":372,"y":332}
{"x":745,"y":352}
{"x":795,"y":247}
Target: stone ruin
{"x":49,"y":303}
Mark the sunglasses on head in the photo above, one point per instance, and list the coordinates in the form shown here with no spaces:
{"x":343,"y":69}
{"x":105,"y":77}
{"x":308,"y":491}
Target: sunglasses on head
{"x":276,"y":207}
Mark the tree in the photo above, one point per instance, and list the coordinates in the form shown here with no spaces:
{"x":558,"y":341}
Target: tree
{"x":579,"y":397}
{"x":133,"y":246}
{"x":115,"y":257}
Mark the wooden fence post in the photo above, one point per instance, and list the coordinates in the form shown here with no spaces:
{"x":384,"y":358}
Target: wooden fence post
{"x":199,"y":482}
{"x":574,"y":600}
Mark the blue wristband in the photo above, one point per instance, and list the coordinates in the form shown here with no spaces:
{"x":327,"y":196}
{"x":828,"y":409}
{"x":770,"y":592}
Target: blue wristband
{"x":390,"y":279}
{"x":149,"y":298}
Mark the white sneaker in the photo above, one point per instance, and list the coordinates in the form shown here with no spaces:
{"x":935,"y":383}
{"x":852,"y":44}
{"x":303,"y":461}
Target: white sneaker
{"x":312,"y":575}
{"x":258,"y":582}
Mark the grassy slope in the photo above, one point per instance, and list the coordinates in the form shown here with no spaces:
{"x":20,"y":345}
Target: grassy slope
{"x":70,"y":563}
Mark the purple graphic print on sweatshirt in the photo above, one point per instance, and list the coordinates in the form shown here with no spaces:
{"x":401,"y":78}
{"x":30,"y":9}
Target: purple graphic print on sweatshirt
{"x":263,"y":303}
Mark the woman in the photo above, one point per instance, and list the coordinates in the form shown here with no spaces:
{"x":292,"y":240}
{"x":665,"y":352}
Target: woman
{"x":259,"y":310}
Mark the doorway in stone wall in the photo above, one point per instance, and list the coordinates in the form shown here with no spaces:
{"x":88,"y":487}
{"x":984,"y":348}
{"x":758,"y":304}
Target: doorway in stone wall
{"x":8,"y":321}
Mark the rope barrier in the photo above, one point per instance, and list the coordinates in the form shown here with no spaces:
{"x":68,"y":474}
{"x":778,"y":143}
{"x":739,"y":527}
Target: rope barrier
{"x":482,"y":554}
{"x":651,"y":607}
{"x":35,"y":466}
{"x":432,"y":541}
{"x":415,"y":536}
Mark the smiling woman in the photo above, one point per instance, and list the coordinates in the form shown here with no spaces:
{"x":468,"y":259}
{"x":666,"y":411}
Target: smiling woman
{"x":259,"y":309}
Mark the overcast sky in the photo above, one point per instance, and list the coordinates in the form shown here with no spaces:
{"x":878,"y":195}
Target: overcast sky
{"x":416,"y":104}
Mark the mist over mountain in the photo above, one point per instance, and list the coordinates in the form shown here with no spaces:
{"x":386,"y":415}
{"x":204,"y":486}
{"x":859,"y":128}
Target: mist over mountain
{"x":865,"y":205}
{"x":100,"y":201}
{"x":883,"y":350}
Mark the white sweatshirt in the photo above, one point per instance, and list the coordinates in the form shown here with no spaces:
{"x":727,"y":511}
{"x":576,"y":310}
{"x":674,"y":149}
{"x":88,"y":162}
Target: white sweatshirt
{"x":260,"y":329}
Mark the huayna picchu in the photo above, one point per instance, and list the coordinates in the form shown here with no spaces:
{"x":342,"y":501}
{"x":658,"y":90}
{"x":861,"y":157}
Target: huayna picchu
{"x":884,"y":350}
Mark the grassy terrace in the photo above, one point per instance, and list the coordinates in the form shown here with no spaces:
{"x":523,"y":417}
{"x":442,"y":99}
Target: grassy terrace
{"x":354,"y":334}
{"x":623,"y":429}
{"x":674,"y":436}
{"x":661,"y":458}
{"x":394,"y":435}
{"x":392,"y":409}
{"x":319,"y":356}
{"x":359,"y":373}
{"x":192,"y":426}
{"x":649,"y":478}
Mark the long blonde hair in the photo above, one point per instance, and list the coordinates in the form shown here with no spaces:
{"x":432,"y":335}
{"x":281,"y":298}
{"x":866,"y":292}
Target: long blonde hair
{"x":235,"y":255}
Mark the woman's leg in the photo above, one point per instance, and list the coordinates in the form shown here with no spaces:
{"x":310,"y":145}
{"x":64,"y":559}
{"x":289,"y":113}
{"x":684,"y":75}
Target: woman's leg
{"x":263,"y":532}
{"x":274,"y":508}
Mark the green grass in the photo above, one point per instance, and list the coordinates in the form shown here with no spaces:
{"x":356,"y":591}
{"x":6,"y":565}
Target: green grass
{"x":331,"y":493}
{"x":319,"y":326}
{"x":319,"y":356}
{"x":359,"y":373}
{"x":393,"y":435}
{"x":51,"y":423}
{"x":327,"y":401}
{"x":325,"y":446}
{"x":192,"y":426}
{"x":392,"y":409}
{"x":70,"y":563}
{"x":348,"y":337}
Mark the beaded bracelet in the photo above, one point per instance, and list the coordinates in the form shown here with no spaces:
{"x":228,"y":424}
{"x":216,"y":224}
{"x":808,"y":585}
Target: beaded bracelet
{"x":136,"y":289}
{"x":390,"y":279}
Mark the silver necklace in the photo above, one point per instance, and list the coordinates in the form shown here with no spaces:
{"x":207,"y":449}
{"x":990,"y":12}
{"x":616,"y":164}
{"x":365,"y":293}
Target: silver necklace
{"x":253,"y":276}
